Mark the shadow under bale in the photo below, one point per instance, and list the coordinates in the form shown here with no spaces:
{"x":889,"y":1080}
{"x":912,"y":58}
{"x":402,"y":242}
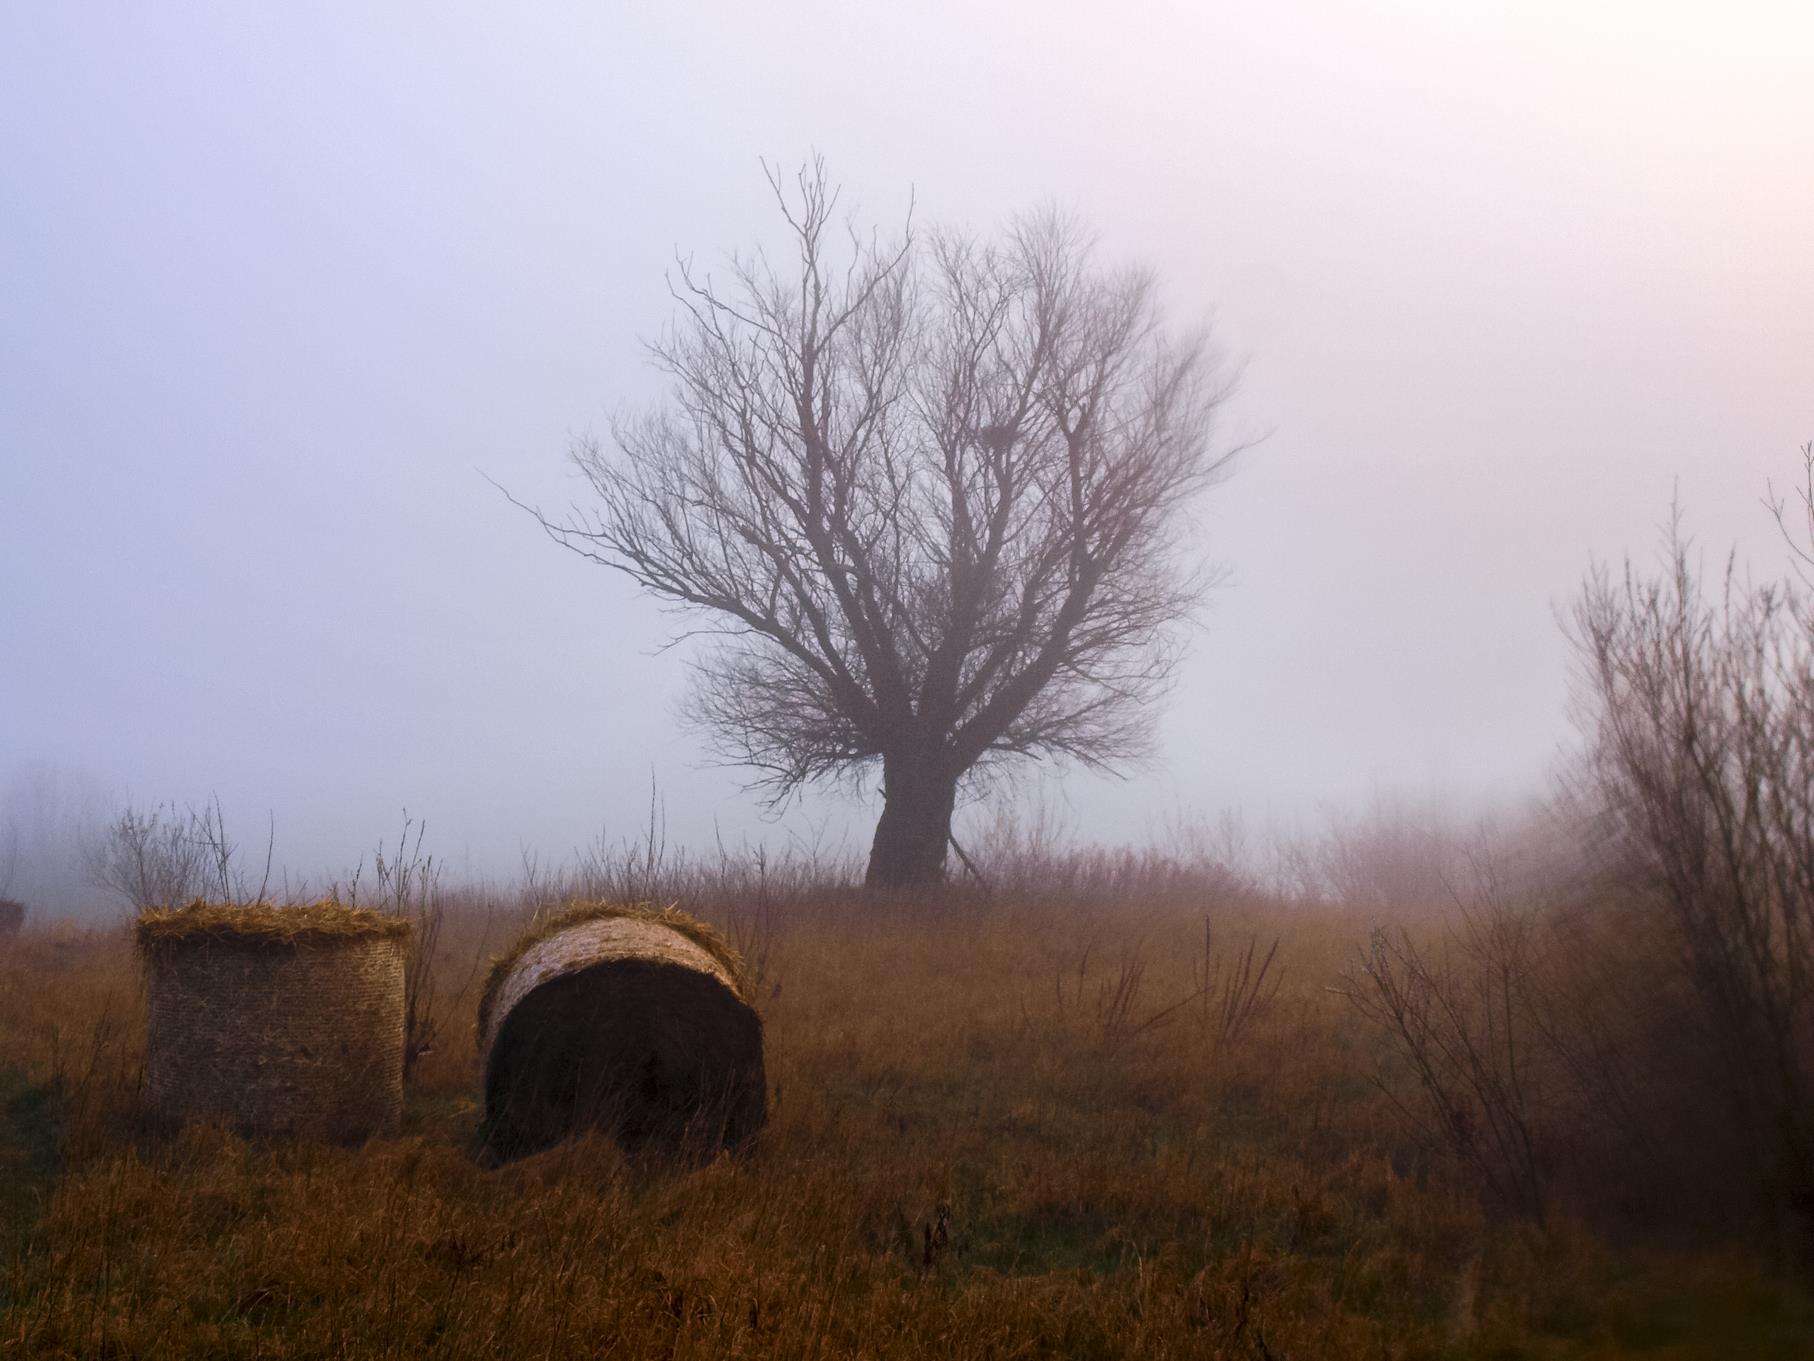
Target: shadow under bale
{"x":627,"y":1021}
{"x":12,"y":917}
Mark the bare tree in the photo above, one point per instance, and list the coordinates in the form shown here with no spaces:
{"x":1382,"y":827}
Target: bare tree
{"x":929,"y":498}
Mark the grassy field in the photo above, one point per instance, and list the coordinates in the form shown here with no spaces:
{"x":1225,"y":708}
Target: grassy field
{"x":1008,"y":1127}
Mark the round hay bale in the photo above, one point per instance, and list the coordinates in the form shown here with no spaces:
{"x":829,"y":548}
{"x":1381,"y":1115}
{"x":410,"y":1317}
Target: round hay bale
{"x":629,"y":1020}
{"x":276,"y":1021}
{"x":12,"y":917}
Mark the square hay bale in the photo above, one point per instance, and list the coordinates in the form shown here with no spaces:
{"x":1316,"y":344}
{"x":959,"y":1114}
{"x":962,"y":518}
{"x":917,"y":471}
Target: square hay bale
{"x":626,"y":1019}
{"x":285,"y":1022}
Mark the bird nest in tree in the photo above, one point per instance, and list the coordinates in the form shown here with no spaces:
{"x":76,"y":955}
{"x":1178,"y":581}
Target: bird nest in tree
{"x":12,"y":917}
{"x":276,"y":1021}
{"x":633,"y":1020}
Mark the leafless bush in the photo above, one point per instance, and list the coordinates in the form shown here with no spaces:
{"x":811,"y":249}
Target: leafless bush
{"x":1231,"y":991}
{"x":752,"y":920}
{"x":1699,"y":710}
{"x":9,"y":860}
{"x":1798,"y":537}
{"x":1117,"y":996}
{"x":50,"y":823}
{"x":1029,"y":854}
{"x":1652,"y":1027}
{"x":406,"y":883}
{"x":749,"y":892}
{"x":635,"y":870}
{"x":1461,"y":1017}
{"x":1394,"y":856}
{"x":1642,"y":1137}
{"x":12,"y":913}
{"x":1108,"y":1002}
{"x":172,"y":855}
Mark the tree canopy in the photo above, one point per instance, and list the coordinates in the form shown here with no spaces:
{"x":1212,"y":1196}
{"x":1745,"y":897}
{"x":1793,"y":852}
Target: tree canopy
{"x":928,"y":497}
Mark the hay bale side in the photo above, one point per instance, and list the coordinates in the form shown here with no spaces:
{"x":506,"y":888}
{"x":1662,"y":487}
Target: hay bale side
{"x":624,"y":1023}
{"x":12,"y":917}
{"x":271,"y":1029}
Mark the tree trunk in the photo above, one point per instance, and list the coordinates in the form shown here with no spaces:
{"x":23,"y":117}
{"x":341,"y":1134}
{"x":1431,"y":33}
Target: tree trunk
{"x":915,"y":827}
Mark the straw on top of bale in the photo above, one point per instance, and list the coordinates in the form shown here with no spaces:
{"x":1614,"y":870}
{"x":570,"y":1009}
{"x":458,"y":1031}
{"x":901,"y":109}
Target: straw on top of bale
{"x":262,"y":923}
{"x":543,"y":926}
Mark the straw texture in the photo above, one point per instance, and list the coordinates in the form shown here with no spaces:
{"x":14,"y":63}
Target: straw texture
{"x":280,"y":1029}
{"x":263,"y":922}
{"x":623,"y":1020}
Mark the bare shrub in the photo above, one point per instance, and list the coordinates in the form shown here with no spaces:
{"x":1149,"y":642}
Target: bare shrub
{"x":1029,"y":854}
{"x":1699,"y":708}
{"x":1461,"y":1018}
{"x":406,"y":883}
{"x":1393,"y":856}
{"x":1114,"y":1003}
{"x":635,"y":869}
{"x":1231,"y":990}
{"x":1648,"y":1029}
{"x":1119,"y":994}
{"x":752,"y":921}
{"x":50,"y":820}
{"x":9,"y":860}
{"x":12,"y":912}
{"x":1640,"y":1143}
{"x":170,"y":855}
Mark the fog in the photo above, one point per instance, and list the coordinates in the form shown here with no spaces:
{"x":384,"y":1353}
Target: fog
{"x":286,"y":292}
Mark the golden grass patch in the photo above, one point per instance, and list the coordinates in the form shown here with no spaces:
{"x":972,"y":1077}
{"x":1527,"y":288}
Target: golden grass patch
{"x":968,"y":1155}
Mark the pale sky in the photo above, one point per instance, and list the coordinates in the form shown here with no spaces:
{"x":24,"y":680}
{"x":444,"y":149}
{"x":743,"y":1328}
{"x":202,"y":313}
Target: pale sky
{"x":280,"y":284}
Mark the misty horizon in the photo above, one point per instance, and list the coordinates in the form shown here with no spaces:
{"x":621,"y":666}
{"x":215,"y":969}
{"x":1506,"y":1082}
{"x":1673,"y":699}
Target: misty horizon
{"x":284,"y":305}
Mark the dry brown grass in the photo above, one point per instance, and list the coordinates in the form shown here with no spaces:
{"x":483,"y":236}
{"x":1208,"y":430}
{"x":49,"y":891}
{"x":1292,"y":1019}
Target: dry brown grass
{"x":993,"y":1134}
